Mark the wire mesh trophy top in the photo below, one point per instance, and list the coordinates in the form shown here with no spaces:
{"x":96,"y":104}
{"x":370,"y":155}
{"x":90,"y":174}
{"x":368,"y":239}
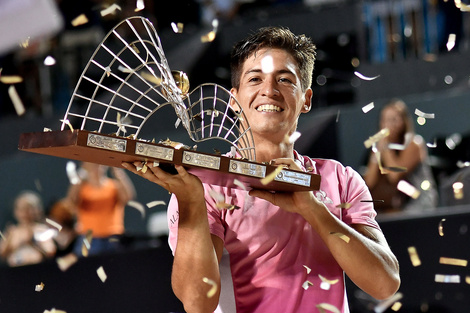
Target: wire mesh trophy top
{"x":127,"y":80}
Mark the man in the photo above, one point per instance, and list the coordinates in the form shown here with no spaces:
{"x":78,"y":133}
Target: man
{"x":275,"y":237}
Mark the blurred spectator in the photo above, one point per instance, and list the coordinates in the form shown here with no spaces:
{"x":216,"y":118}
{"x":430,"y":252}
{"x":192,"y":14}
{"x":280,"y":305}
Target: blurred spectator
{"x":29,"y":241}
{"x":403,"y":156}
{"x":99,"y":201}
{"x":62,"y":213}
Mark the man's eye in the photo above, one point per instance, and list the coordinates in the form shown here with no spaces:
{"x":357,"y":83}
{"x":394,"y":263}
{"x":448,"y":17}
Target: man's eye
{"x":253,"y":79}
{"x":285,"y":80}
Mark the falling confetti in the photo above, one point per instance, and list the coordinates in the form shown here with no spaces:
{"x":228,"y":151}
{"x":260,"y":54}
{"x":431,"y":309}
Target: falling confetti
{"x":16,"y":100}
{"x":110,"y":10}
{"x":266,"y":180}
{"x":67,"y":122}
{"x":384,"y":305}
{"x":341,"y":236}
{"x":213,"y":285}
{"x":375,"y":138}
{"x":140,"y":5}
{"x":49,"y":61}
{"x":308,"y":269}
{"x":79,"y":20}
{"x":54,"y":224}
{"x":344,"y":205}
{"x":13,"y":79}
{"x":467,"y":279}
{"x":209,"y":37}
{"x":71,"y":169}
{"x":292,"y":138}
{"x":450,"y":42}
{"x":425,"y":115}
{"x":101,"y":274}
{"x":138,"y":206}
{"x":458,"y":190}
{"x":396,"y":306}
{"x":414,"y":257}
{"x":365,"y":77}
{"x":65,"y":262}
{"x":441,"y":278}
{"x":39,"y":287}
{"x":326,"y":283}
{"x":452,"y":261}
{"x":267,"y":65}
{"x":440,"y":228}
{"x":306,"y":284}
{"x":368,"y":107}
{"x":238,"y":183}
{"x":2,"y":236}
{"x":177,"y":27}
{"x":155,"y":203}
{"x":408,"y":189}
{"x":86,"y":244}
{"x":323,"y":307}
{"x":53,"y":310}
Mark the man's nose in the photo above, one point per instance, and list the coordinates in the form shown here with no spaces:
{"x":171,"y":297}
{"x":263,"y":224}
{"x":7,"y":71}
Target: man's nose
{"x":270,"y":87}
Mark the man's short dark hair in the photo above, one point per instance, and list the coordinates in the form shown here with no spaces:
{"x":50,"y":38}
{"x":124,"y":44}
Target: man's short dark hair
{"x":300,"y":47}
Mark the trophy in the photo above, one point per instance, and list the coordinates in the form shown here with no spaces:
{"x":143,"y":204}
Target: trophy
{"x":127,"y":81}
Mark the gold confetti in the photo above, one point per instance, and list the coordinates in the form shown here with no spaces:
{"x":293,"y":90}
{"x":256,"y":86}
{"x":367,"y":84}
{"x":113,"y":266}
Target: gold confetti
{"x":452,"y":279}
{"x":414,"y":257}
{"x":323,"y":307}
{"x":452,"y":261}
{"x":79,"y":20}
{"x":54,"y":224}
{"x":209,"y":37}
{"x":213,"y":285}
{"x":326,"y":283}
{"x":382,"y":306}
{"x":368,"y":107}
{"x":177,"y":27}
{"x":11,"y":79}
{"x":53,"y":310}
{"x":375,"y":138}
{"x":138,"y":206}
{"x":16,"y":100}
{"x":308,"y":269}
{"x":155,"y":203}
{"x":458,"y":190}
{"x":110,"y":10}
{"x":344,"y":205}
{"x":365,"y":77}
{"x":396,"y":306}
{"x":271,"y":176}
{"x":86,"y":244}
{"x":25,"y":43}
{"x":66,"y":261}
{"x":101,"y":274}
{"x":306,"y":284}
{"x":440,"y":228}
{"x":341,"y":236}
{"x":39,"y":287}
{"x":408,"y":189}
{"x":467,"y":279}
{"x":67,"y":122}
{"x":107,"y":71}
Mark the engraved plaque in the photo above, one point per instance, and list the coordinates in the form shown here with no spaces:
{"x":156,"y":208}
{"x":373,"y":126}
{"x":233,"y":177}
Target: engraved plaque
{"x":245,"y":168}
{"x":153,"y":151}
{"x":108,"y":143}
{"x":202,"y":160}
{"x":293,"y":178}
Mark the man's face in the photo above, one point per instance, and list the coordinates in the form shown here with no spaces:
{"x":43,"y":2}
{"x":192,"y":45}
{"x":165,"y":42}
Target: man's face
{"x":270,"y":94}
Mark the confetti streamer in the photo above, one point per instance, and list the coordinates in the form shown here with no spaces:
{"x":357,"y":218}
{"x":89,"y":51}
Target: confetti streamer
{"x":365,"y":77}
{"x":101,"y":274}
{"x":452,"y":261}
{"x":384,"y":305}
{"x":271,"y":176}
{"x":54,"y":224}
{"x":39,"y":287}
{"x":323,"y":307}
{"x":425,"y":115}
{"x":452,"y":279}
{"x":138,"y":206}
{"x":155,"y":203}
{"x":79,"y":20}
{"x":341,"y":236}
{"x":306,"y":284}
{"x":414,"y":257}
{"x":368,"y":107}
{"x":213,"y":285}
{"x":408,"y":189}
{"x":16,"y":100}
{"x":110,"y":10}
{"x":440,"y":228}
{"x":9,"y":80}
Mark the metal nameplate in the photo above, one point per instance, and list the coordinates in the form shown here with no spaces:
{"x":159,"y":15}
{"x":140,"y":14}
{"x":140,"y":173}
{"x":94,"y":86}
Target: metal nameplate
{"x":152,"y":151}
{"x":108,"y":143}
{"x":201,"y":160}
{"x":293,"y":178}
{"x":245,"y":168}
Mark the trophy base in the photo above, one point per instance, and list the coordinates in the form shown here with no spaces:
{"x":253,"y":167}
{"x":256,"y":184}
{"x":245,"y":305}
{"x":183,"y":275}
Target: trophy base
{"x":214,"y":169}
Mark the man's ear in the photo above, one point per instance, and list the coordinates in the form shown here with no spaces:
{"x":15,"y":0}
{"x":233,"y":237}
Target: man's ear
{"x":232,"y":101}
{"x":307,"y":101}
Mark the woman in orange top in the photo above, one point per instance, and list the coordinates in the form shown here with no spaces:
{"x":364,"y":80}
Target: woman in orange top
{"x":99,"y":201}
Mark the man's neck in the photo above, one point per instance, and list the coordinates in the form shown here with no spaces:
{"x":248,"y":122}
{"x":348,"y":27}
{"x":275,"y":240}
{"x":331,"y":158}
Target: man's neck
{"x":267,"y":151}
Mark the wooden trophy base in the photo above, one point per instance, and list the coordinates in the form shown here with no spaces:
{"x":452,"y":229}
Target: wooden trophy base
{"x":214,"y":169}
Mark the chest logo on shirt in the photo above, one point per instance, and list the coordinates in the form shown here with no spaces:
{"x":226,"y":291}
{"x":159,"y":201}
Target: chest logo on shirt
{"x":322,"y":197}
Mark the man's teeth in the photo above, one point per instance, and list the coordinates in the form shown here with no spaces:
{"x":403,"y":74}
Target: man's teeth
{"x":268,"y":108}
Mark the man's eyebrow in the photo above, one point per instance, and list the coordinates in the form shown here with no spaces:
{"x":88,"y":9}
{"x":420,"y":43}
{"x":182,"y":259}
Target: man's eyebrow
{"x":258,"y":70}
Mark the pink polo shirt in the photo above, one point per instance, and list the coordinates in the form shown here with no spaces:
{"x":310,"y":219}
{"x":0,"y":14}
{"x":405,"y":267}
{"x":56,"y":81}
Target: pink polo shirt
{"x":269,"y":248}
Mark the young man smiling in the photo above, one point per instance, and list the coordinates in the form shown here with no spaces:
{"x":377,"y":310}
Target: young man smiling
{"x":274,"y":237}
